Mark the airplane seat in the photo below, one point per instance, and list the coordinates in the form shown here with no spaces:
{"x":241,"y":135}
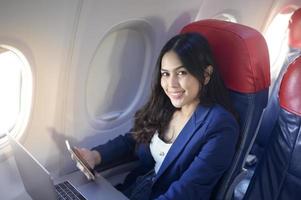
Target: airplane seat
{"x":272,"y":111}
{"x":278,"y":172}
{"x":242,"y":58}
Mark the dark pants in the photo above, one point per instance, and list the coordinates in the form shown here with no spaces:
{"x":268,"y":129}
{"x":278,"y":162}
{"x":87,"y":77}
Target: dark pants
{"x":141,"y":188}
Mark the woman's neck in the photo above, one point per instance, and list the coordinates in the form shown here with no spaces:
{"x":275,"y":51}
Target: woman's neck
{"x":188,"y":110}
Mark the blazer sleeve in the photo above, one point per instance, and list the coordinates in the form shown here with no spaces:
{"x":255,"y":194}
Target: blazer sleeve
{"x":121,"y":148}
{"x":199,"y":179}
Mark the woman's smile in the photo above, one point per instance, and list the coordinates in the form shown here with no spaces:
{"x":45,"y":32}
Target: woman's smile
{"x":176,"y":94}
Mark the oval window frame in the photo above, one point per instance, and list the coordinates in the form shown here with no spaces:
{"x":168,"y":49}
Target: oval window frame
{"x":27,"y":90}
{"x":111,"y":119}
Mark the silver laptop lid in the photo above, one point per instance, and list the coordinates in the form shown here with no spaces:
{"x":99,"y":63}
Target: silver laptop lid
{"x":35,"y":177}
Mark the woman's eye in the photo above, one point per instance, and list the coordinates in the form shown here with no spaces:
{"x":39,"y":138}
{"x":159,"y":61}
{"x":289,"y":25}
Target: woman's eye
{"x":182,"y":73}
{"x":164,"y":74}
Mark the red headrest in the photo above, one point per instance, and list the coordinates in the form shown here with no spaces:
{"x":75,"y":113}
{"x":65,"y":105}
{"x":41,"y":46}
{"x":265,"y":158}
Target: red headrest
{"x":290,"y":88}
{"x":240,"y":52}
{"x":294,"y":27}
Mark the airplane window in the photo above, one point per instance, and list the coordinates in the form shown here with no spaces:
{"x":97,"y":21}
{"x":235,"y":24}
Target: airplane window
{"x":118,"y":78}
{"x":276,"y":37}
{"x":15,"y":88}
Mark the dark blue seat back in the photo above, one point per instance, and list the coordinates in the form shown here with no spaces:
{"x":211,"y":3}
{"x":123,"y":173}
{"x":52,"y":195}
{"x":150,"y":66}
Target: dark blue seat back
{"x":242,"y":58}
{"x":272,"y":110}
{"x":278,"y":173}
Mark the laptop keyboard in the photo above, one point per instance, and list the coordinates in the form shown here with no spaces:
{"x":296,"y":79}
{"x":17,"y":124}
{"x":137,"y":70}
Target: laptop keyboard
{"x":66,"y":191}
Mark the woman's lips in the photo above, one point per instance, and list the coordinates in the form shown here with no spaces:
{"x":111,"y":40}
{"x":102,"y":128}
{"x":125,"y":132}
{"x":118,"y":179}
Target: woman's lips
{"x":176,"y":95}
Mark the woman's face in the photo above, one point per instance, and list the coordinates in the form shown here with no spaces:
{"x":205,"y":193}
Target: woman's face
{"x":179,"y":85}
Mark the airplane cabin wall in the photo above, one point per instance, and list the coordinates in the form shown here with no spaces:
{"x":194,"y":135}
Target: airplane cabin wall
{"x":278,"y":6}
{"x":250,"y":13}
{"x":79,"y":93}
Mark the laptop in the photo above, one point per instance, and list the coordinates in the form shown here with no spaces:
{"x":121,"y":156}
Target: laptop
{"x":37,"y":180}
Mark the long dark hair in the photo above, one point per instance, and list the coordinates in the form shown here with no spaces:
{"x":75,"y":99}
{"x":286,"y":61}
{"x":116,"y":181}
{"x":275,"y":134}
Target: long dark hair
{"x":194,"y":52}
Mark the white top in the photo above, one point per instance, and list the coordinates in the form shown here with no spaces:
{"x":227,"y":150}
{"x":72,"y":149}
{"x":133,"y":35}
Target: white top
{"x":158,"y":150}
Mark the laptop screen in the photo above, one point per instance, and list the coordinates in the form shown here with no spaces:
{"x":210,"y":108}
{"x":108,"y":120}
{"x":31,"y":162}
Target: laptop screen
{"x":35,"y":177}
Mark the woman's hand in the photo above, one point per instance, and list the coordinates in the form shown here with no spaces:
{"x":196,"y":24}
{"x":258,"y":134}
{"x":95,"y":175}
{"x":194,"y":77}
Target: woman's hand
{"x":91,"y":158}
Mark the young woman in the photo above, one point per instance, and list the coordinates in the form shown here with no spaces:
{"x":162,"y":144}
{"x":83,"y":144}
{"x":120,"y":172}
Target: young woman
{"x":185,"y":135}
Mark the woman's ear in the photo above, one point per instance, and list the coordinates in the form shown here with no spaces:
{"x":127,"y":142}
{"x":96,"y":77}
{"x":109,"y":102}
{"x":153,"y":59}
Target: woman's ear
{"x":207,"y":74}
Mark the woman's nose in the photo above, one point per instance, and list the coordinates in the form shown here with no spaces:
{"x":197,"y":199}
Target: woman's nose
{"x":173,"y":81}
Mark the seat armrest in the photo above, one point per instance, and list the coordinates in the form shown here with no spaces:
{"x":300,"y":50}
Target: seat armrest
{"x":119,"y":169}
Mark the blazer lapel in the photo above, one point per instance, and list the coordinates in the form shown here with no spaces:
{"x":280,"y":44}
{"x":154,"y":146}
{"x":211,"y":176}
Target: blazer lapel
{"x":184,"y":136}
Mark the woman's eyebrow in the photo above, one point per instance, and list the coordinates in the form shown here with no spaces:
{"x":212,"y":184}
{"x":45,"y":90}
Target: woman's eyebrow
{"x":177,"y":68}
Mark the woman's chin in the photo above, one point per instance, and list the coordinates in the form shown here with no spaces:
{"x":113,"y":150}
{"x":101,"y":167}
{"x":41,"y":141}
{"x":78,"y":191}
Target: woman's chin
{"x":177,"y":104}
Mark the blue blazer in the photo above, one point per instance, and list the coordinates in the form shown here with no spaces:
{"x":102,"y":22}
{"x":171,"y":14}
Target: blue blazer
{"x":195,"y":162}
